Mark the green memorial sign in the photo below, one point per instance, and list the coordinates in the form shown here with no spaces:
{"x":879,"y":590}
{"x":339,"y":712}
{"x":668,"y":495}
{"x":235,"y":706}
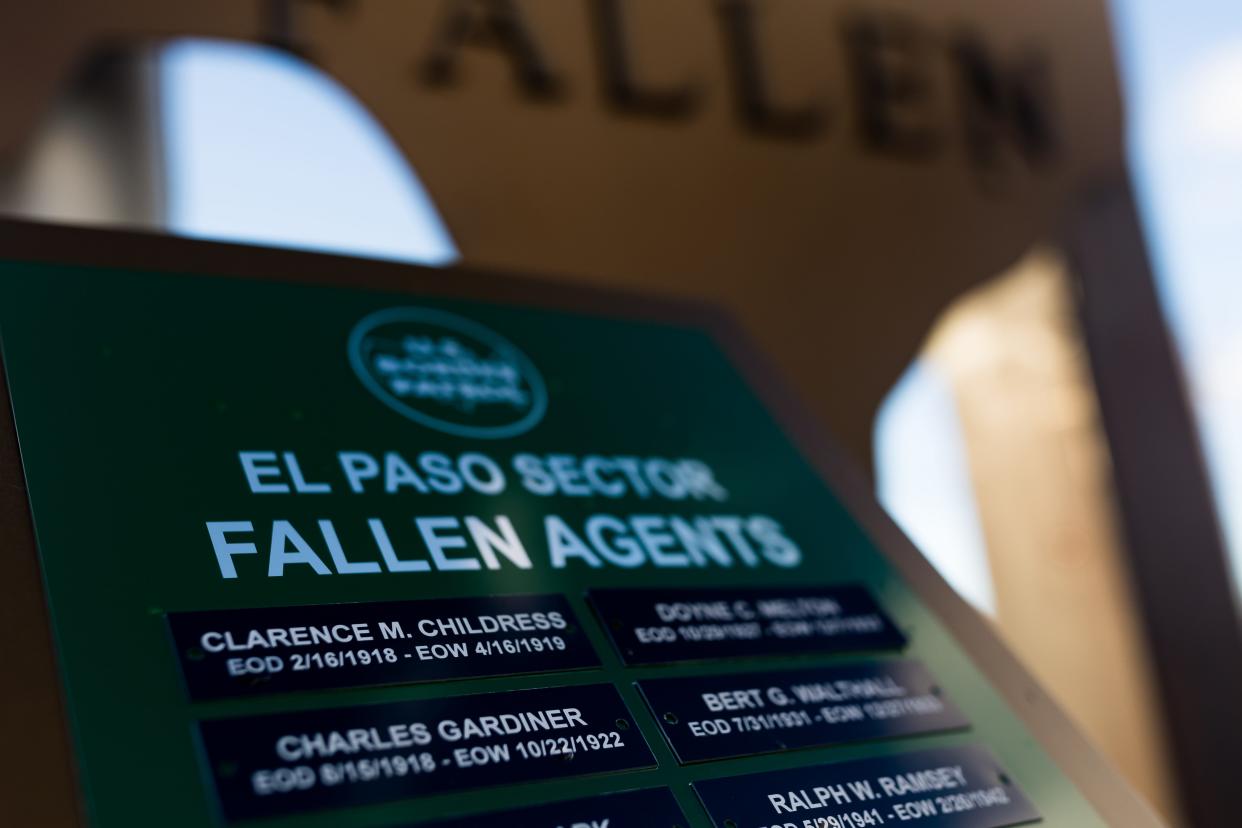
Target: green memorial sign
{"x":322,"y":554}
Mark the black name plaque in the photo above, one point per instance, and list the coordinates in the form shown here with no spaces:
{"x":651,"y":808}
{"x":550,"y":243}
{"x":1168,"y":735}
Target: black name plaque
{"x":652,"y":626}
{"x":961,"y":787}
{"x":255,"y":651}
{"x":347,"y":756}
{"x":722,"y":716}
{"x":648,"y":808}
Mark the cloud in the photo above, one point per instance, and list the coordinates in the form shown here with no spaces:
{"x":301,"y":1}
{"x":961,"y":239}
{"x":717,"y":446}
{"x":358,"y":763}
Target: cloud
{"x":1218,"y":382}
{"x":1213,"y":96}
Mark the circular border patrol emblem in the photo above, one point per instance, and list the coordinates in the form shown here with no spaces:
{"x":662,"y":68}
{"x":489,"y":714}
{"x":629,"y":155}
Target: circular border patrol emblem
{"x":447,"y":372}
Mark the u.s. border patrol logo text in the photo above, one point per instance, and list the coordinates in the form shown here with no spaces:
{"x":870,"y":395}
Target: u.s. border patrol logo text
{"x":448,"y":373}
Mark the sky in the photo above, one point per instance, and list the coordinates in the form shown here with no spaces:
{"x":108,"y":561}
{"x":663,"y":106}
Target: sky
{"x":263,"y":148}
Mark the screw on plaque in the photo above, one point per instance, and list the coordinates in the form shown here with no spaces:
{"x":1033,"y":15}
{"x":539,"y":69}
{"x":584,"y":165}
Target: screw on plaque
{"x":195,"y":654}
{"x":728,"y":823}
{"x":935,"y":690}
{"x":671,"y":718}
{"x":622,"y":724}
{"x":617,"y":624}
{"x":1004,"y":779}
{"x":227,"y":769}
